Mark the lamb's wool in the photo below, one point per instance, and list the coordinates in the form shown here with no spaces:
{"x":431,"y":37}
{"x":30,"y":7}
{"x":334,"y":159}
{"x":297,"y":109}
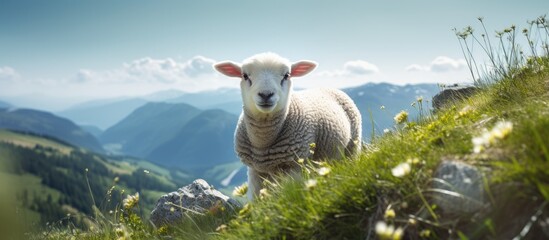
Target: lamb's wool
{"x":326,"y":117}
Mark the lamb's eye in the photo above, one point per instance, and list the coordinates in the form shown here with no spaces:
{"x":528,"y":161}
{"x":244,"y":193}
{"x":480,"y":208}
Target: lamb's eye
{"x":286,"y":77}
{"x":247,"y":78}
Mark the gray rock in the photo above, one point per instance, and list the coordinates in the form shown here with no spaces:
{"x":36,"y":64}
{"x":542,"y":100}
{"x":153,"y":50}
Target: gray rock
{"x":452,"y":94}
{"x":196,"y":198}
{"x":458,"y":188}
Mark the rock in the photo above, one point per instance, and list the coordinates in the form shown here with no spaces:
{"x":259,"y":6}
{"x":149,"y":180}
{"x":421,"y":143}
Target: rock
{"x":458,"y":188}
{"x":449,"y":95}
{"x":196,"y":198}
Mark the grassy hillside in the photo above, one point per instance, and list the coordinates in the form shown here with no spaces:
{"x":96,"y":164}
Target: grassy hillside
{"x":51,"y":179}
{"x":387,"y":191}
{"x":47,"y":124}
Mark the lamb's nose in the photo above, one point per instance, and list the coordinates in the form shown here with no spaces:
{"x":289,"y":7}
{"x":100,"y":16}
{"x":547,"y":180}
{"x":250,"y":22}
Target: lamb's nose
{"x":265,"y":95}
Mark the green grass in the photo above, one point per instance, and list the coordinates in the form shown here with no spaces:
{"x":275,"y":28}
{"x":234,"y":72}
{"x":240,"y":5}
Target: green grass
{"x":31,"y":141}
{"x":356,"y":194}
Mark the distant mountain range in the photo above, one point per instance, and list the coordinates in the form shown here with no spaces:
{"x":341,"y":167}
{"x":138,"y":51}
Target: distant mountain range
{"x":104,"y":113}
{"x":175,"y":135}
{"x":379,"y":103}
{"x":45,"y":123}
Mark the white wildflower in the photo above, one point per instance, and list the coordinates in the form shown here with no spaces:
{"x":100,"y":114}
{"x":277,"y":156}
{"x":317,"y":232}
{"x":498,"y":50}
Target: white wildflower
{"x":500,"y":131}
{"x":323,"y":171}
{"x":401,"y":170}
{"x":385,"y":231}
{"x":310,"y":183}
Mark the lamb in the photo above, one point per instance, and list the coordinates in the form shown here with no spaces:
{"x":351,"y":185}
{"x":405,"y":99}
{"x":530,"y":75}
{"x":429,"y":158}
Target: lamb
{"x":277,"y":125}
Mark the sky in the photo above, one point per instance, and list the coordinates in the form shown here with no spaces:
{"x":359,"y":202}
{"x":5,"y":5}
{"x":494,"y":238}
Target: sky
{"x":57,"y":53}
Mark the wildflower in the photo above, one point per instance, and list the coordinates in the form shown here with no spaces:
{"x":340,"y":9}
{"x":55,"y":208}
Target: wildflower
{"x":312,"y":147}
{"x":389,"y":214}
{"x":401,"y":170}
{"x":263,"y":193}
{"x":121,"y":232}
{"x":87,"y":170}
{"x":221,"y":228}
{"x":130,"y":201}
{"x":385,"y":231}
{"x":146,"y":171}
{"x":310,"y":183}
{"x":413,"y":161}
{"x":241,"y":190}
{"x":386,"y":130}
{"x":172,"y":209}
{"x":382,"y":107}
{"x":111,"y":212}
{"x":412,"y":221}
{"x":301,"y":160}
{"x":116,"y":179}
{"x":401,"y":117}
{"x":425,"y":233}
{"x":501,"y":130}
{"x":323,"y":171}
{"x":465,"y":110}
{"x":419,"y":99}
{"x":245,"y":210}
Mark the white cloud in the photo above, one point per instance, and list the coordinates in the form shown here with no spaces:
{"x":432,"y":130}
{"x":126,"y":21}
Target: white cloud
{"x":149,"y":70}
{"x":439,"y":64}
{"x":415,"y":68}
{"x":360,"y":67}
{"x":8,"y":74}
{"x":199,"y":65}
{"x":444,"y":64}
{"x":353,"y":68}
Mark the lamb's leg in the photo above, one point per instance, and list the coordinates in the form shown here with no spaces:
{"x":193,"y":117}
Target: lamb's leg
{"x":255,"y":183}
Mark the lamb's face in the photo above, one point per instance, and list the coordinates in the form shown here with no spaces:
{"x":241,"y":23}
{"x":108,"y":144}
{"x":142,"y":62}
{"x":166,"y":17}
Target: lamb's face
{"x":265,"y":80}
{"x":265,"y":86}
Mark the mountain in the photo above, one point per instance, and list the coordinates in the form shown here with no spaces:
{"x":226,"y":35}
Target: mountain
{"x":210,"y":99}
{"x":205,"y":141}
{"x":5,"y":105}
{"x":105,"y":113}
{"x":51,"y":179}
{"x":45,"y":123}
{"x":148,"y":127}
{"x":370,"y":98}
{"x":102,"y":113}
{"x":95,"y":131}
{"x":178,"y":135}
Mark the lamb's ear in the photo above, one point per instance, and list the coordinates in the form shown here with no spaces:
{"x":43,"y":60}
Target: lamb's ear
{"x":301,"y":68}
{"x":229,"y":68}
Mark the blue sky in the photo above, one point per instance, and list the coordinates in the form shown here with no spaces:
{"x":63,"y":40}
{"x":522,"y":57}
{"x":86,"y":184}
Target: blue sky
{"x":79,"y":50}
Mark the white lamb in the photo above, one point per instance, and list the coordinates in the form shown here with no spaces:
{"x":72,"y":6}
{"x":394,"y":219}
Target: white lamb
{"x":277,"y":125}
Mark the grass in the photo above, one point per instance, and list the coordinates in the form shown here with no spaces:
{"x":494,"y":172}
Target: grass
{"x":31,"y":141}
{"x":374,"y":196}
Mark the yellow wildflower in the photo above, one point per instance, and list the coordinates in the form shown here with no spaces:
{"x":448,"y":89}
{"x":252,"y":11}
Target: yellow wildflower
{"x":241,"y":190}
{"x":131,"y":201}
{"x":401,"y":117}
